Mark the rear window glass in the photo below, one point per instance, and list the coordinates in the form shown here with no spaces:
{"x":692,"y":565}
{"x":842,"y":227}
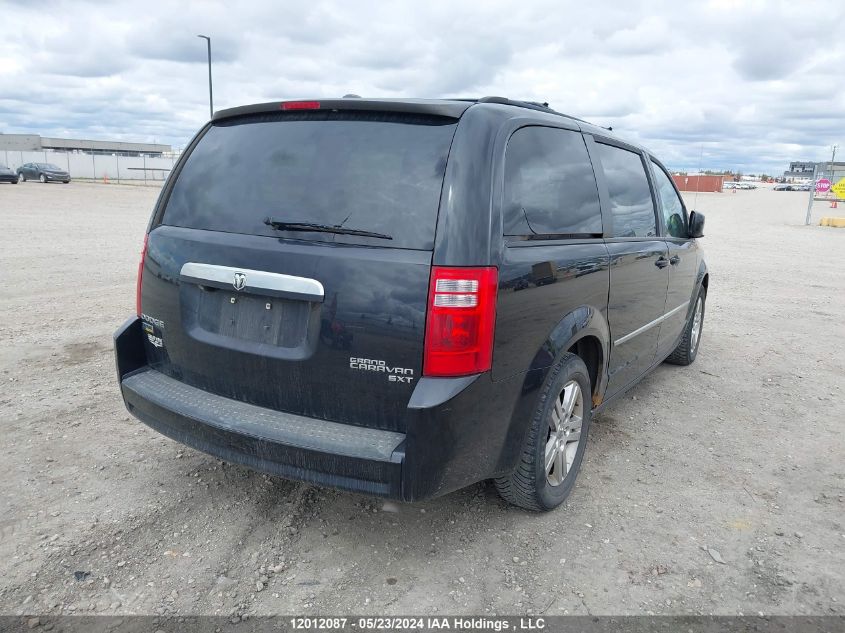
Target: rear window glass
{"x":378,"y":172}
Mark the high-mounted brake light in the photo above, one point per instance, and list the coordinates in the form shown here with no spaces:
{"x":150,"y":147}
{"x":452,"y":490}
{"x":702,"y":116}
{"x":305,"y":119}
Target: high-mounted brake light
{"x":300,"y":105}
{"x":140,"y":277}
{"x":461,"y":320}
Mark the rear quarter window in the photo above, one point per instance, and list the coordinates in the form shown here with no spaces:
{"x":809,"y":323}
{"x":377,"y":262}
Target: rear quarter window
{"x":379,"y":172}
{"x":550,"y":187}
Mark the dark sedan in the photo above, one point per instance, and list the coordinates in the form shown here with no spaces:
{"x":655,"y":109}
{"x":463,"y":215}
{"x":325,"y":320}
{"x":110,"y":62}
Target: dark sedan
{"x":45,"y":172}
{"x":7,"y":175}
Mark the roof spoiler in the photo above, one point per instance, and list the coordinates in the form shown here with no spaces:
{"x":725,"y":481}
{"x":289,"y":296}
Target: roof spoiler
{"x":451,"y":109}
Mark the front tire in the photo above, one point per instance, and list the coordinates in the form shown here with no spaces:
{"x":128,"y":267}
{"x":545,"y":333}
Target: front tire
{"x":687,"y":349}
{"x":554,"y":448}
{"x":43,"y":179}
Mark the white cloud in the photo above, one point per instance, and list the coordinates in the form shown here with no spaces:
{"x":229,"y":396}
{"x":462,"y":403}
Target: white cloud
{"x":754,"y":84}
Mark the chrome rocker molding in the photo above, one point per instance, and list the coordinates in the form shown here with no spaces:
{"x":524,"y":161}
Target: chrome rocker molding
{"x":651,"y":324}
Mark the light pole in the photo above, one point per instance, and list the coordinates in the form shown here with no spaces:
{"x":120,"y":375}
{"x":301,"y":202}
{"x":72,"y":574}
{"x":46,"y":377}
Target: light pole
{"x":210,"y":97}
{"x":812,"y":195}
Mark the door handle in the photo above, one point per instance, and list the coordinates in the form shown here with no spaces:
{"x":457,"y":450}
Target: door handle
{"x":674,"y":259}
{"x":661,"y":262}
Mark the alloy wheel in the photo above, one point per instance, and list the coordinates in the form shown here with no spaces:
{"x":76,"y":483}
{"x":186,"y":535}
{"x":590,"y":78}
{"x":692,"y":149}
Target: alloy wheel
{"x":696,"y":324}
{"x":564,"y":435}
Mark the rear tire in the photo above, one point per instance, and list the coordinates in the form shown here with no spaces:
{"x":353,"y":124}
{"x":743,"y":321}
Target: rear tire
{"x":533,"y":485}
{"x":43,"y":179}
{"x":21,"y":178}
{"x":687,"y":349}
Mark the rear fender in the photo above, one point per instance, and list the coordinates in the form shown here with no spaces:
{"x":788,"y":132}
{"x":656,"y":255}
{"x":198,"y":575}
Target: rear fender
{"x":582,"y":322}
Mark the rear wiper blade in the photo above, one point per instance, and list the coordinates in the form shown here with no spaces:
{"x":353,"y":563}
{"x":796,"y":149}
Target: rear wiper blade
{"x":281,"y":225}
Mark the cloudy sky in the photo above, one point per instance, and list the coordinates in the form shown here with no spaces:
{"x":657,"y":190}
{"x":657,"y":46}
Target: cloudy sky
{"x":754,"y":84}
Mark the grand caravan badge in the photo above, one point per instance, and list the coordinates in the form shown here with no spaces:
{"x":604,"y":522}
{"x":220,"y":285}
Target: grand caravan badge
{"x":394,"y":374}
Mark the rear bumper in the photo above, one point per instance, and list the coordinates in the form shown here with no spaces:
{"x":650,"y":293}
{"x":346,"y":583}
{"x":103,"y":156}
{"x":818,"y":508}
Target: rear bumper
{"x":290,"y":446}
{"x":459,"y":431}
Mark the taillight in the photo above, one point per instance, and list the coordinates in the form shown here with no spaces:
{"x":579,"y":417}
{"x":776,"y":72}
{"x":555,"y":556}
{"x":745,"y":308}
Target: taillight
{"x":300,"y":105}
{"x":460,"y":322}
{"x":140,"y":277}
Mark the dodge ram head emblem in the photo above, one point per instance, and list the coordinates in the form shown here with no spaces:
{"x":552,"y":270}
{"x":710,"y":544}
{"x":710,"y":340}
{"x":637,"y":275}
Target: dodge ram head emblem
{"x":239,"y":281}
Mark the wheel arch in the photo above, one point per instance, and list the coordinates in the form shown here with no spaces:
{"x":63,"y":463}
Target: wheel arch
{"x":591,"y":351}
{"x":583,"y":331}
{"x":702,"y":280}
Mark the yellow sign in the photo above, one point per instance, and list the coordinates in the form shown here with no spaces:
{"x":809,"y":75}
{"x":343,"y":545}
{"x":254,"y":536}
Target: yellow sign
{"x":839,"y":189}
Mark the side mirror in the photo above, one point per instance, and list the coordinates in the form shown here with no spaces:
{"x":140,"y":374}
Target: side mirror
{"x":696,"y":224}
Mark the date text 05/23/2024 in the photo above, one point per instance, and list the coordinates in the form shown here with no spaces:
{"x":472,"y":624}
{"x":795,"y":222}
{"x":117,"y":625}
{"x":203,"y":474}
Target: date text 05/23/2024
{"x":455,"y":623}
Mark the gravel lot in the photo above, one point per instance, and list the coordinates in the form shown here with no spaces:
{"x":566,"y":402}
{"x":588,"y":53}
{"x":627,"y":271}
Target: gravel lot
{"x":715,"y":489}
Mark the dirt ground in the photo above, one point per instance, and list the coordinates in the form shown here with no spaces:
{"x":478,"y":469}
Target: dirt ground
{"x":710,"y":489}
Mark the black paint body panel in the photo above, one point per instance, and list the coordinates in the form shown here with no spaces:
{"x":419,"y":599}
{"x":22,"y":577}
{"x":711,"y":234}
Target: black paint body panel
{"x":637,"y":296}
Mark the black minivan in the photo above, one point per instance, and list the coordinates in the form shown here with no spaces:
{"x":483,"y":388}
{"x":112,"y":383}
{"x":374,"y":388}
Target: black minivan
{"x":404,"y":297}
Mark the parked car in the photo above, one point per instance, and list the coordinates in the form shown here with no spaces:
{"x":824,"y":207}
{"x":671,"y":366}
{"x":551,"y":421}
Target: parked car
{"x":7,"y":175}
{"x":45,"y":172}
{"x":784,"y":187}
{"x":729,"y":184}
{"x":373,"y":220}
{"x":521,"y":284}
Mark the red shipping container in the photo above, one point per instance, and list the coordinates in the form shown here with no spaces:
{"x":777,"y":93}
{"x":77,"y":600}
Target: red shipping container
{"x":699,"y":183}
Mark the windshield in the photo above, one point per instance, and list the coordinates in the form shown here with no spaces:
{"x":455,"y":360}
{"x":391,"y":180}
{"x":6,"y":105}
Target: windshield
{"x":376,"y":172}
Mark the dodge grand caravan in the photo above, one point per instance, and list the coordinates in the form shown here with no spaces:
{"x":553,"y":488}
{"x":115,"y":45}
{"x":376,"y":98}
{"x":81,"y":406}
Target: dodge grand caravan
{"x":404,"y":297}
